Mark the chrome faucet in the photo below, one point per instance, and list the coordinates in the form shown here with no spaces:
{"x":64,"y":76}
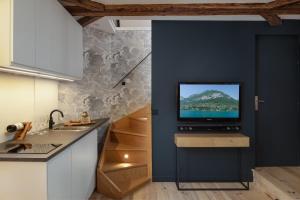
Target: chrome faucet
{"x":51,"y":122}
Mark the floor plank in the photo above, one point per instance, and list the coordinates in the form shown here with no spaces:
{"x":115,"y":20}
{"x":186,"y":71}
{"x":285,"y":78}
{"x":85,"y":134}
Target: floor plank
{"x":168,"y":191}
{"x":273,"y":183}
{"x":281,"y":183}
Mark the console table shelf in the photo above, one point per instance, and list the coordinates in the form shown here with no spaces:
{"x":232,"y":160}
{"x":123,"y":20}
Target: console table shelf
{"x":211,"y":140}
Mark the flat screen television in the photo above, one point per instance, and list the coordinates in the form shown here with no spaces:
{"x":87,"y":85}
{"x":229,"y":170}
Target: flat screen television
{"x":215,"y":102}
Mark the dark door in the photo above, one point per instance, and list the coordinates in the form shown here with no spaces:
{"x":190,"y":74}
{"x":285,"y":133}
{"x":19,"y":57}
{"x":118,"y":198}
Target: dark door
{"x":277,"y":105}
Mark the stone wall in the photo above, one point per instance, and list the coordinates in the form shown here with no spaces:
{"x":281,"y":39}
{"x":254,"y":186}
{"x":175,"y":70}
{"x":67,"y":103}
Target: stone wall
{"x":108,"y":57}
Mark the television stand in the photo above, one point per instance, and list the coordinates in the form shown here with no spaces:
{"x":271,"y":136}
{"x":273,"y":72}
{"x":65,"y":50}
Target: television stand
{"x":212,"y":140}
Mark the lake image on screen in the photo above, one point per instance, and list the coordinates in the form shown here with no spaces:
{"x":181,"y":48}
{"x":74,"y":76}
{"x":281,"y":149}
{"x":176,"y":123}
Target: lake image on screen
{"x":209,"y":101}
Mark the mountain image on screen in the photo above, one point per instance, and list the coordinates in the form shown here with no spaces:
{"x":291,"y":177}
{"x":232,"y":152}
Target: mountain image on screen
{"x":209,"y":104}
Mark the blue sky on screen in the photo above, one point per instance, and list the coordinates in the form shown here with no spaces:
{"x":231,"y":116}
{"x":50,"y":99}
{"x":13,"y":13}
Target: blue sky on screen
{"x":187,"y":90}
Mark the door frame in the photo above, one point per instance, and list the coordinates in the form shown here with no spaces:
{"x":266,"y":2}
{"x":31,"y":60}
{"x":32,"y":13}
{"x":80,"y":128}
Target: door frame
{"x":256,"y":70}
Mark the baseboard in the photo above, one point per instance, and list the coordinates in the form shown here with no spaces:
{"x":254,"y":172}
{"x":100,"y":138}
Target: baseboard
{"x":173,"y":179}
{"x":163,"y":179}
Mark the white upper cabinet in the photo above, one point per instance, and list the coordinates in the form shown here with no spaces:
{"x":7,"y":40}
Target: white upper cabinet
{"x":43,"y":28}
{"x":58,"y":37}
{"x":75,"y":49}
{"x":24,"y":22}
{"x":43,"y":37}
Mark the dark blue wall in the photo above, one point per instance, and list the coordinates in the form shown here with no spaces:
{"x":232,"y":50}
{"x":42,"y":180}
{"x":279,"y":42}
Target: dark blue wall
{"x":203,"y":51}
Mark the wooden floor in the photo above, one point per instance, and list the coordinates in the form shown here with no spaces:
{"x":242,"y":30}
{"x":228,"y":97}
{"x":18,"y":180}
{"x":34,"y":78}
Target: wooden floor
{"x":168,"y":191}
{"x":271,"y":183}
{"x":282,"y":183}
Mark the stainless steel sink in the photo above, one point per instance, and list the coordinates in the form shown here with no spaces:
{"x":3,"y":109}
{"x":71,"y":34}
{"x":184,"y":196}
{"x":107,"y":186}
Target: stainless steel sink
{"x":70,"y":128}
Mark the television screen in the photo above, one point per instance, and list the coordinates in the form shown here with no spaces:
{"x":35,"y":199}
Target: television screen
{"x":209,"y":101}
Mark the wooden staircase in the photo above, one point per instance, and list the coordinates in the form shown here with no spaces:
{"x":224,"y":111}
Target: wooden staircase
{"x":126,"y":161}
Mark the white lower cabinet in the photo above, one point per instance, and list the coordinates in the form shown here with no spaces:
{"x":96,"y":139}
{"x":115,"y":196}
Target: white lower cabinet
{"x":59,"y":176}
{"x":84,"y":163}
{"x":72,"y":173}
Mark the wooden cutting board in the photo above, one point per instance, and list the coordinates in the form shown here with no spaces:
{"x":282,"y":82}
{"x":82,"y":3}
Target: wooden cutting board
{"x":78,"y":123}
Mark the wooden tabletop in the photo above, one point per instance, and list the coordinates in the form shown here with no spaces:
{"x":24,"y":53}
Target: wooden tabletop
{"x":216,"y":140}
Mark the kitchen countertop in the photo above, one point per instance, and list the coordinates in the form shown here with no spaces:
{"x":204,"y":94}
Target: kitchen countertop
{"x":66,"y":138}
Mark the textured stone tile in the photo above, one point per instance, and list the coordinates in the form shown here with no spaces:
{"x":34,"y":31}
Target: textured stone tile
{"x":107,"y":58}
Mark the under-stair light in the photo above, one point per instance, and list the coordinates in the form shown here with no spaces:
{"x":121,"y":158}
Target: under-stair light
{"x":126,"y":156}
{"x":125,"y":165}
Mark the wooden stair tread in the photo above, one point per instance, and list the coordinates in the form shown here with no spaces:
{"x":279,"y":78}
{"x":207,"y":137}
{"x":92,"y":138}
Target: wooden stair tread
{"x":109,"y":167}
{"x":142,"y":119}
{"x":119,"y":174}
{"x":128,"y":132}
{"x":123,"y":147}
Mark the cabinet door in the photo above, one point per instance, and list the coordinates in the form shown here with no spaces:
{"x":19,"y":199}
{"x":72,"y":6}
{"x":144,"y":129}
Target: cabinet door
{"x":57,"y":37}
{"x":84,"y":164}
{"x":74,"y":48}
{"x":24,"y":21}
{"x":43,"y":30}
{"x":59,"y":176}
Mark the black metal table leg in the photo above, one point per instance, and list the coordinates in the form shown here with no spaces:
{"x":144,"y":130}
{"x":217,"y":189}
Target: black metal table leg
{"x":240,"y":162}
{"x":177,"y":169}
{"x":245,"y":185}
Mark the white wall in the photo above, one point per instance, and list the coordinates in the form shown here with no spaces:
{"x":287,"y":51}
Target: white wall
{"x":25,"y":98}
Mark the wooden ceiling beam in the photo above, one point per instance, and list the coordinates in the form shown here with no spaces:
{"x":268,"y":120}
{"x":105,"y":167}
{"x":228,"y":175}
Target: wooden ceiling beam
{"x":270,"y":11}
{"x":281,"y":3}
{"x":92,"y":5}
{"x":186,"y":10}
{"x":272,"y":19}
{"x":86,"y":4}
{"x":84,"y":21}
{"x":74,"y":9}
{"x":178,"y":8}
